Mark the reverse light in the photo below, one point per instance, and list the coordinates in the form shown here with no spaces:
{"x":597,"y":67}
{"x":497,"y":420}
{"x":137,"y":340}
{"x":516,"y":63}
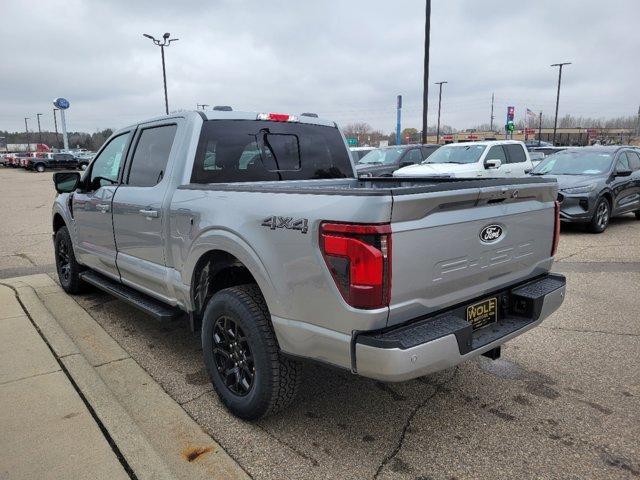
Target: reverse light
{"x":556,"y":228}
{"x":359,"y":259}
{"x":277,"y":117}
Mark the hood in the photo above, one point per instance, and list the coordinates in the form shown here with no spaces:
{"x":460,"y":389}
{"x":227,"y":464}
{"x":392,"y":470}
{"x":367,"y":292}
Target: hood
{"x":570,"y":181}
{"x":435,"y":169}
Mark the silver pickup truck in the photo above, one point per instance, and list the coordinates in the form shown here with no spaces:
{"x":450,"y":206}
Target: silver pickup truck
{"x":254,"y":227}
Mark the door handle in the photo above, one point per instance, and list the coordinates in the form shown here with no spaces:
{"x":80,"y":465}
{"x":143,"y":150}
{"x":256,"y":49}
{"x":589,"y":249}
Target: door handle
{"x":148,"y":213}
{"x":103,"y":207}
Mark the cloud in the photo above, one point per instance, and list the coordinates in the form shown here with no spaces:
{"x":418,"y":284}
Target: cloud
{"x":344,"y":60}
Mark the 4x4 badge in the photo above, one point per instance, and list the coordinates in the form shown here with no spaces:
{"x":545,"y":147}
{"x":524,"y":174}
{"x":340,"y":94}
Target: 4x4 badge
{"x":273,"y":222}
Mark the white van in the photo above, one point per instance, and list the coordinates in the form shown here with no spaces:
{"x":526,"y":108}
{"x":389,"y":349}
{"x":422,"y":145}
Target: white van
{"x":495,"y":158}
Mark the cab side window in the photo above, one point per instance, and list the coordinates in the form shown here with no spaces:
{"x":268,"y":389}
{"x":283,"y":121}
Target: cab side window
{"x":497,"y":153}
{"x":106,"y":166}
{"x":634,"y":160}
{"x":150,"y":158}
{"x":516,"y":153}
{"x":623,"y":162}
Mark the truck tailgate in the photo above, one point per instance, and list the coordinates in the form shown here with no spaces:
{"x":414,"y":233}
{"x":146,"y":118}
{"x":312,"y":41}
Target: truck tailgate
{"x":439,"y":258}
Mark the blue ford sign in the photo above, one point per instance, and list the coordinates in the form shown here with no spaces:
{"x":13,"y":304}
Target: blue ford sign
{"x":61,"y":103}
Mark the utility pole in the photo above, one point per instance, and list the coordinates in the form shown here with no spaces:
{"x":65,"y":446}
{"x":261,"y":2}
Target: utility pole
{"x":39,"y":130}
{"x":638,"y":124}
{"x":555,"y":122}
{"x":439,"y":108}
{"x":165,"y":43}
{"x":425,"y":81}
{"x":540,"y":129}
{"x":55,"y":123}
{"x":398,"y":121}
{"x":492,"y":117}
{"x":26,"y":129}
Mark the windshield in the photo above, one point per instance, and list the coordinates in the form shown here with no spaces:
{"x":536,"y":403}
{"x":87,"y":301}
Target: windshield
{"x":456,"y":154}
{"x":574,"y":163}
{"x":381,"y":156}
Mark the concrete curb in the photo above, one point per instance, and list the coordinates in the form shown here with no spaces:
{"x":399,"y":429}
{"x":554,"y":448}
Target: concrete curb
{"x":156,"y":437}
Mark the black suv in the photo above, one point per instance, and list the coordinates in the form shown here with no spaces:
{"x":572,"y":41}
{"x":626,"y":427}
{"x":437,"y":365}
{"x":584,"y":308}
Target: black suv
{"x":382,"y":162}
{"x":56,"y":161}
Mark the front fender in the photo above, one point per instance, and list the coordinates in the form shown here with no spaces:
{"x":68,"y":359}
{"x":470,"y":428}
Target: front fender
{"x":61,"y":207}
{"x":231,"y":243}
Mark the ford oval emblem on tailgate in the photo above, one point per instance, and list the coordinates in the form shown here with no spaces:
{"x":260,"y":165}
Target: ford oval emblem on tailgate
{"x":491,"y":233}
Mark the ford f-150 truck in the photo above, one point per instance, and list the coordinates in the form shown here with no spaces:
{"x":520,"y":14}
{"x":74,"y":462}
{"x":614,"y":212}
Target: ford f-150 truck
{"x":255,"y":228}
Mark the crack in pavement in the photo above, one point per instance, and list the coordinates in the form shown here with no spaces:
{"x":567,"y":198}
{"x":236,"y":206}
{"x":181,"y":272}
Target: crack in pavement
{"x":439,"y":388}
{"x":295,"y":450}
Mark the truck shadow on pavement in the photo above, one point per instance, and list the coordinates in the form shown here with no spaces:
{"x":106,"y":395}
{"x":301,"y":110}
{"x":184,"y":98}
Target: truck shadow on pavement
{"x":463,"y":422}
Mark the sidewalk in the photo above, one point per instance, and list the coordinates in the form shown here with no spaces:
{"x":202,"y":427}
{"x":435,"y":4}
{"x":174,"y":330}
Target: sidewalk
{"x":46,"y":430}
{"x":74,"y":404}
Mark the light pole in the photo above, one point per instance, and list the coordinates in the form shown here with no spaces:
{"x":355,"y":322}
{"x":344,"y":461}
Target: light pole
{"x":439,"y":107}
{"x":555,"y":122}
{"x":165,"y":43}
{"x":26,"y":129}
{"x":55,"y":124}
{"x":425,"y":82}
{"x":39,"y":130}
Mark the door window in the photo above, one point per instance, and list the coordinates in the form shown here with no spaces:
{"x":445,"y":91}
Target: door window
{"x":623,"y":162}
{"x":151,"y":155}
{"x":516,"y":153}
{"x":414,"y":156}
{"x":106,"y":166}
{"x":426,"y":151}
{"x":634,"y":161}
{"x":497,"y":153}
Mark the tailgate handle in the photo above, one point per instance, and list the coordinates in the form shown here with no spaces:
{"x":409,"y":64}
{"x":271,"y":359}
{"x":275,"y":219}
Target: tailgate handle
{"x":149,"y":213}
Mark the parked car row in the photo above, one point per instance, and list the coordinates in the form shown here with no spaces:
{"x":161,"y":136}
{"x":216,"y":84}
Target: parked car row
{"x":42,"y":161}
{"x":595,"y":183}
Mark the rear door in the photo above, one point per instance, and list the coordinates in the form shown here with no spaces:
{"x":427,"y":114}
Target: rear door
{"x":95,"y":246}
{"x":518,"y":163}
{"x":138,"y":213}
{"x":440,"y":258}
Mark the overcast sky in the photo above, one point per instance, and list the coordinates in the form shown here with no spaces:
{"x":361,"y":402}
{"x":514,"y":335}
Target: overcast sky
{"x":346,"y":60}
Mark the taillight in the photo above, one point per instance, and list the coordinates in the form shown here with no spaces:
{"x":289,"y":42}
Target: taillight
{"x":359,"y":259}
{"x":277,"y":117}
{"x":556,"y":229}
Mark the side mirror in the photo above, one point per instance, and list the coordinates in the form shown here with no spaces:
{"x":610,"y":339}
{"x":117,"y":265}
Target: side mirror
{"x":66,"y":182}
{"x":623,"y":173}
{"x":492,"y":164}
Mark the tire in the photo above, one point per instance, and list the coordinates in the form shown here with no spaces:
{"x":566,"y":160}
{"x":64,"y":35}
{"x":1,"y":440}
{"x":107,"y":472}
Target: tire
{"x":265,"y":382}
{"x":66,"y":265}
{"x":637,"y":212}
{"x":601,"y":216}
{"x":40,"y":168}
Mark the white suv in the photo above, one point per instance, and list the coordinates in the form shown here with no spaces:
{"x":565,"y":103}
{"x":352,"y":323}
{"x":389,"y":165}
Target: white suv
{"x":496,"y":158}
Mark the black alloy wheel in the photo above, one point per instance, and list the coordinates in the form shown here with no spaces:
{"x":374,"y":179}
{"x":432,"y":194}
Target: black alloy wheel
{"x":232,"y":356}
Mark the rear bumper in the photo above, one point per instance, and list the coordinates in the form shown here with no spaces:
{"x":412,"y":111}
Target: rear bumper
{"x":426,"y":345}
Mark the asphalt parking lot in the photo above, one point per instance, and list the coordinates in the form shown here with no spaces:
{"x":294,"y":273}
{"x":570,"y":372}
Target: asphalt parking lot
{"x":562,"y":402}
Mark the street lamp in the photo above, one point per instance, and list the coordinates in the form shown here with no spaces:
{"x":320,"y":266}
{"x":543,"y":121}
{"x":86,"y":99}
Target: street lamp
{"x":555,"y":122}
{"x":439,"y":106}
{"x":425,"y":82}
{"x":26,"y":129}
{"x":39,"y":130}
{"x":55,"y":124}
{"x":165,"y":43}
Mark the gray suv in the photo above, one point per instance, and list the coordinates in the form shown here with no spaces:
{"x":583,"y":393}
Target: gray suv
{"x":595,"y":183}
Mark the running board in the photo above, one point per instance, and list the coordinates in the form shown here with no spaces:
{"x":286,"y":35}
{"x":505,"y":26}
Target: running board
{"x":149,"y":305}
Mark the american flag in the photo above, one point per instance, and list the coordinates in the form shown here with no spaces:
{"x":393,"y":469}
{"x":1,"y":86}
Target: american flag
{"x":530,"y":113}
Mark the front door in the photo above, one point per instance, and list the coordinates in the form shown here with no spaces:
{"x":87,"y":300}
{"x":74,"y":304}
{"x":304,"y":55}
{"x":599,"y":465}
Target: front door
{"x":496,"y":152}
{"x":95,"y":246}
{"x":138,"y":213}
{"x":625,"y":189}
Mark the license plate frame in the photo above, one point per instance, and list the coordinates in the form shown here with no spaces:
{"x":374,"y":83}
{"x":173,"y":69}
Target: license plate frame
{"x":483,"y":313}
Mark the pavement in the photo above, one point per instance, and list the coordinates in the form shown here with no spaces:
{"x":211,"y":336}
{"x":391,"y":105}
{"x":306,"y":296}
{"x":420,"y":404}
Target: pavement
{"x":562,"y":402}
